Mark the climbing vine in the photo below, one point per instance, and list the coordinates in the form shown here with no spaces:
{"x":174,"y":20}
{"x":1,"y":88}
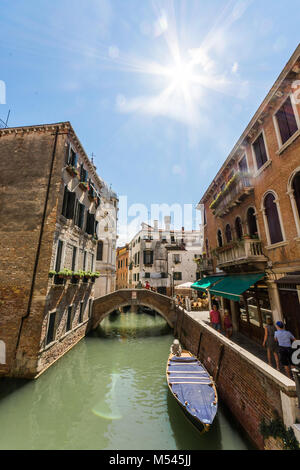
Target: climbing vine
{"x":276,"y":429}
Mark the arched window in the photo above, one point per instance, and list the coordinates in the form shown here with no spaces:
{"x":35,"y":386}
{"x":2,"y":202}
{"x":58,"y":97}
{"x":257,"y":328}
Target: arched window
{"x":251,"y":221}
{"x":296,"y":189}
{"x":220,"y":238}
{"x":238,"y":228}
{"x":228,"y":234}
{"x":272,"y":216}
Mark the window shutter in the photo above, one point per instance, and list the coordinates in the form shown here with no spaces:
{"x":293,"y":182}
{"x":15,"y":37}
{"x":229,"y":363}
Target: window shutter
{"x":273,"y":219}
{"x":71,"y":205}
{"x":65,"y":202}
{"x":58,"y":256}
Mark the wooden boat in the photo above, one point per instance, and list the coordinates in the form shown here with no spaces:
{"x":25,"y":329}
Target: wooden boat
{"x":193,"y":388}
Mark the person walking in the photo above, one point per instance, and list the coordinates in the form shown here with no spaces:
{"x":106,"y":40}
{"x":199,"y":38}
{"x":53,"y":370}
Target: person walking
{"x":270,"y":343}
{"x":215,"y":318}
{"x":284,"y":339}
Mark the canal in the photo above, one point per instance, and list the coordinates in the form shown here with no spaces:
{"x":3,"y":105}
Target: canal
{"x":109,"y":392}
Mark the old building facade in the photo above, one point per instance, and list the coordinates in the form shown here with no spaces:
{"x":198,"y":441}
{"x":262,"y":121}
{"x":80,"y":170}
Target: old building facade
{"x":164,"y":257}
{"x":50,"y":213}
{"x":251,"y":214}
{"x":122,"y":267}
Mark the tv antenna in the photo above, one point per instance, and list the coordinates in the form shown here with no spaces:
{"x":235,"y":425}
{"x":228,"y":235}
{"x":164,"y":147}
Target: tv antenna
{"x":4,"y":124}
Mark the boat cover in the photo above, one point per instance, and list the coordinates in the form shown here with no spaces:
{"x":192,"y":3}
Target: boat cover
{"x":193,"y":387}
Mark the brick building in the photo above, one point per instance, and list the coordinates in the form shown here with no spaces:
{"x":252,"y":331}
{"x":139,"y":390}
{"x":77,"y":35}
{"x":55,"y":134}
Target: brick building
{"x":251,"y":214}
{"x":122,"y":267}
{"x":50,"y":199}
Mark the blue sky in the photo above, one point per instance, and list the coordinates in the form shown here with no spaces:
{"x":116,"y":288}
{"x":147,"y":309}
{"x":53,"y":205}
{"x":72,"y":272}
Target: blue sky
{"x":159,"y":91}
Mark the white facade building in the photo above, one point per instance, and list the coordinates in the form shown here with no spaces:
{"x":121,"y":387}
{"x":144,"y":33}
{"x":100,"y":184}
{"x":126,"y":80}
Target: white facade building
{"x":164,"y":257}
{"x":107,"y":216}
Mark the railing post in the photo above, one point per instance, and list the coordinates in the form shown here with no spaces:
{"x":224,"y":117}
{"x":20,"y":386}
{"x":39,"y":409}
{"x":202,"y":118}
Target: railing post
{"x":296,"y":375}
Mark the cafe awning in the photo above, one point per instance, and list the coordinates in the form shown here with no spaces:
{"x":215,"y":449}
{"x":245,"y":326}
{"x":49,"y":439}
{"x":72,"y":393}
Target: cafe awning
{"x":206,"y":282}
{"x":232,"y":287}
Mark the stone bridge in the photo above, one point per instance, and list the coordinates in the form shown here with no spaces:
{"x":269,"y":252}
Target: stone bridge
{"x":105,"y":305}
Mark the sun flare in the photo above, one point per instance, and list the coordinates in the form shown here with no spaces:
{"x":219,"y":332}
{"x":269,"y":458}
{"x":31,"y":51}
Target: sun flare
{"x":181,"y":75}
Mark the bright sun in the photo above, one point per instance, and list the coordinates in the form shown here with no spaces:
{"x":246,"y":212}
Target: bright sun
{"x":181,"y":75}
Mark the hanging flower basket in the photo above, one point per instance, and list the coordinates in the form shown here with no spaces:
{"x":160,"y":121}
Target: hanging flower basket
{"x":84,"y":186}
{"x":72,"y":170}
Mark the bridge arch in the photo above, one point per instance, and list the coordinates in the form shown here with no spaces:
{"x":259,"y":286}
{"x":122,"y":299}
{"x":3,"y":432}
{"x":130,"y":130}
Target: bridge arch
{"x":104,"y":306}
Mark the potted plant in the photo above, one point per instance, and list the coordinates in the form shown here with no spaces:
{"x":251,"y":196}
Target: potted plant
{"x":65,"y":273}
{"x":52,"y":274}
{"x":72,"y":170}
{"x":84,"y":185}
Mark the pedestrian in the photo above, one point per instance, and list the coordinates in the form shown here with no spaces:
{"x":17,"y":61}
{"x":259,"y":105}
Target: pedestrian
{"x":227,"y":324}
{"x":147,"y":286}
{"x":270,"y":343}
{"x":215,"y":318}
{"x":284,"y":339}
{"x":176,"y":349}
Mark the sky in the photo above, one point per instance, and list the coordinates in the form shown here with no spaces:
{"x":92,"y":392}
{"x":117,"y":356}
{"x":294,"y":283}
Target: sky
{"x":158,"y":91}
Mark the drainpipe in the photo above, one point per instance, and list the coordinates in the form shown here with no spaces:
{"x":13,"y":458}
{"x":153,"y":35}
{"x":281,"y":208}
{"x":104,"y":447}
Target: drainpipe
{"x":39,"y":243}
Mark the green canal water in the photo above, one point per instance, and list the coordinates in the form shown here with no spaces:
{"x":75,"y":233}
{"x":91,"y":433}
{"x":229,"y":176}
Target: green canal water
{"x":109,"y":392}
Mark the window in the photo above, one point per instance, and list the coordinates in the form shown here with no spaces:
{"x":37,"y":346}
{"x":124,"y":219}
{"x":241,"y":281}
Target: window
{"x":79,"y":214}
{"x":84,"y":261}
{"x":296,"y":189}
{"x":69,"y":319}
{"x":176,"y":259}
{"x":177,"y":276}
{"x":243,"y":165}
{"x":100,"y":252}
{"x":73,"y":157}
{"x":220,"y":239}
{"x":238,"y":228}
{"x":223,"y":186}
{"x":147,"y":275}
{"x":228,"y":234}
{"x":58,"y":256}
{"x":148,"y":257}
{"x":90,"y":307}
{"x":286,"y":121}
{"x":51,"y":327}
{"x":68,"y":204}
{"x":251,"y":221}
{"x":92,"y":262}
{"x":83,"y":174}
{"x":90,"y":224}
{"x":260,"y":151}
{"x":74,"y":256}
{"x":204,"y":217}
{"x":272,"y":217}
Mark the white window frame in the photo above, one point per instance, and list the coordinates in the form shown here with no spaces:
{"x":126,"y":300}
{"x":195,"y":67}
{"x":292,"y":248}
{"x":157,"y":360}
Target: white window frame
{"x":270,"y":191}
{"x":267,"y":163}
{"x":276,"y":126}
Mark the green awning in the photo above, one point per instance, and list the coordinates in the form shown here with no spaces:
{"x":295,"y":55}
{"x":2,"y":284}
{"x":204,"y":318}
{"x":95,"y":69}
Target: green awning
{"x":206,"y":282}
{"x":232,"y":287}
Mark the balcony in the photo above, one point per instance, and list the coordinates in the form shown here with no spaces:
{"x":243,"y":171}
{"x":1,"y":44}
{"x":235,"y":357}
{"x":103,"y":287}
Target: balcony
{"x":236,"y":190}
{"x":246,"y":251}
{"x":204,"y":264}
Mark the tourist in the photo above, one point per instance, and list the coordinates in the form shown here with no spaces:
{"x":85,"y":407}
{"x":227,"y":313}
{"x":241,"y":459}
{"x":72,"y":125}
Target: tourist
{"x":270,"y":343}
{"x":284,"y":339}
{"x":227,"y":324}
{"x":176,"y":349}
{"x":215,"y":318}
{"x":147,"y":286}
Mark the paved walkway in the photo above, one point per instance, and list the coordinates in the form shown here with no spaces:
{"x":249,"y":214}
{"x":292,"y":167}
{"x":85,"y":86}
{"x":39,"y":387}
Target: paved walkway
{"x":239,"y":339}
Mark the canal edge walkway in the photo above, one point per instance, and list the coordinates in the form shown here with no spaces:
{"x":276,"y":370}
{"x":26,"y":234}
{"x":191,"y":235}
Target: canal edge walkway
{"x":256,"y":357}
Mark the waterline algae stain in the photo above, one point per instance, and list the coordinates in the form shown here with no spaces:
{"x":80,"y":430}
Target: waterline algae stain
{"x":109,"y":392}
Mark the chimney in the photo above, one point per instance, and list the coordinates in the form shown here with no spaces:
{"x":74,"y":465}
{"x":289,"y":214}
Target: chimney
{"x":167,"y":220}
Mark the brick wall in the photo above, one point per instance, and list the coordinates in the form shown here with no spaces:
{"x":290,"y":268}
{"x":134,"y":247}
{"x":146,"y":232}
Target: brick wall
{"x":249,"y":392}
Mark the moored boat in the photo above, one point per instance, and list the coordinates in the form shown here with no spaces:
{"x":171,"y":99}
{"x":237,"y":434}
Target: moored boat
{"x":193,"y":388}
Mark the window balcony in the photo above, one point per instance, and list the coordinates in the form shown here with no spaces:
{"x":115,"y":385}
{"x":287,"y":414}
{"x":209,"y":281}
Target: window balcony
{"x":236,"y":190}
{"x":204,"y":264}
{"x":246,"y":251}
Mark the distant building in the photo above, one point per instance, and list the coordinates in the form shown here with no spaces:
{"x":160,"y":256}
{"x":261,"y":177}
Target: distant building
{"x":164,"y":257}
{"x":122,"y":267}
{"x":51,"y":213}
{"x":251,"y":214}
